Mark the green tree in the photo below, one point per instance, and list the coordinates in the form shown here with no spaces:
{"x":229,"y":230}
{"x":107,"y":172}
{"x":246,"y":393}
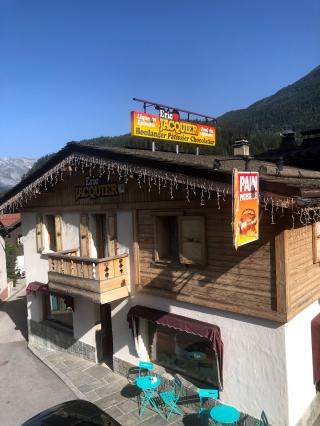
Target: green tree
{"x":11,"y":259}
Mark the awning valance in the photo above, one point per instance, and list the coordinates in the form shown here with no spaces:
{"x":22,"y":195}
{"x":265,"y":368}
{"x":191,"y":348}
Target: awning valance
{"x":180,"y":323}
{"x":37,"y":286}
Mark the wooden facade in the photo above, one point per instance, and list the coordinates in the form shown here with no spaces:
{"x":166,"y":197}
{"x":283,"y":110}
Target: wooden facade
{"x":273,"y":278}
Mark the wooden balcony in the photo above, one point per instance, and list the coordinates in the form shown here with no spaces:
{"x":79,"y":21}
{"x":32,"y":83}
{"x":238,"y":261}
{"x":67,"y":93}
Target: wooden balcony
{"x":100,"y":280}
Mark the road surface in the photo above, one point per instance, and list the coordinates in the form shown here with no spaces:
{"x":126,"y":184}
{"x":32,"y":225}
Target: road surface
{"x":27,"y":386}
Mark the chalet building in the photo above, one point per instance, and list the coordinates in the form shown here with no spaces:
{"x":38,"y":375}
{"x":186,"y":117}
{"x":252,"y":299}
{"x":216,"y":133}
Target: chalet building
{"x":129,"y":256}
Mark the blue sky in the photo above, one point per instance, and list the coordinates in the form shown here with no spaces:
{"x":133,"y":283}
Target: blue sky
{"x":69,"y":68}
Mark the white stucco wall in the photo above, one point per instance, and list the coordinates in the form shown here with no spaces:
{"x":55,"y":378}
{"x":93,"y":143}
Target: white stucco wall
{"x":3,"y":265}
{"x":86,"y":318}
{"x":301,"y":390}
{"x":254,"y":354}
{"x":36,"y":265}
{"x":123,"y":343}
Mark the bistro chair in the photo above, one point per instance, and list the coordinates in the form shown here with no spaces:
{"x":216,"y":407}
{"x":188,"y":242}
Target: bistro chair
{"x":206,"y":393}
{"x":263,"y":420}
{"x":171,"y":397}
{"x":145,"y":368}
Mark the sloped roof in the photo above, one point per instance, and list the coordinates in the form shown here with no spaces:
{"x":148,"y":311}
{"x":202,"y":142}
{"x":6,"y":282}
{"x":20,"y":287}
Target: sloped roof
{"x":291,"y":181}
{"x":10,"y":220}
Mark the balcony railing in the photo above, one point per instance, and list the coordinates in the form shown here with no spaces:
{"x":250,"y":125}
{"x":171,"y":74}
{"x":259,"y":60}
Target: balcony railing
{"x":100,"y":280}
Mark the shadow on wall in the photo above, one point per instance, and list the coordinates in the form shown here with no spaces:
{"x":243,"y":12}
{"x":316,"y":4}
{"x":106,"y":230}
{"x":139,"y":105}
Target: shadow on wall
{"x":17,"y":311}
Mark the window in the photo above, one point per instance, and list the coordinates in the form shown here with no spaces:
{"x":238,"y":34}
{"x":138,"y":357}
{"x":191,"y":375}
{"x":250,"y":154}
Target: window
{"x":49,"y":233}
{"x":60,"y":310}
{"x":84,"y":235}
{"x":180,"y":239}
{"x":184,"y":353}
{"x":39,"y":233}
{"x":101,"y":236}
{"x":51,"y":230}
{"x":167,"y":247}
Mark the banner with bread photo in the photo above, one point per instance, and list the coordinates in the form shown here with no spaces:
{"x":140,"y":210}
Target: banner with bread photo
{"x":245,"y":207}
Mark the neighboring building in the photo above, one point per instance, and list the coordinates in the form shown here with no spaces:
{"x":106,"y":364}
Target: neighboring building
{"x":305,"y":155}
{"x":112,"y":235}
{"x":3,"y":270}
{"x":10,"y":232}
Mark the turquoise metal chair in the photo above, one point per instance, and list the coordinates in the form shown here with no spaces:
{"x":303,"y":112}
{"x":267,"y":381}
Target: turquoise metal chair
{"x":145,"y":367}
{"x":170,"y":399}
{"x":206,"y":393}
{"x":263,"y":420}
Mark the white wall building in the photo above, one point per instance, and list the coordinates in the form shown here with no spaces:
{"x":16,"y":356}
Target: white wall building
{"x":96,"y":253}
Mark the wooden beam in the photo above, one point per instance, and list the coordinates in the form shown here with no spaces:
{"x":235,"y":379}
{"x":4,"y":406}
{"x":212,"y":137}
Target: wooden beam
{"x":281,"y":260}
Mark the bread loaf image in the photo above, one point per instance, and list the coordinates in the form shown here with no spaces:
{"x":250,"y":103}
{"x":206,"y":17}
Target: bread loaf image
{"x":247,"y":222}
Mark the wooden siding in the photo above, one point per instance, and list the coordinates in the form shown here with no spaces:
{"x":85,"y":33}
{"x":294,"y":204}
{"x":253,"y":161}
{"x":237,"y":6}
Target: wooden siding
{"x":303,"y":275}
{"x":242,"y":281}
{"x":239,"y":281}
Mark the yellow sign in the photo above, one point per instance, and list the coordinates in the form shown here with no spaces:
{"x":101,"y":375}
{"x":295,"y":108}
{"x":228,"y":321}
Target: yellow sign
{"x":96,"y":191}
{"x":152,"y":126}
{"x":245,"y":207}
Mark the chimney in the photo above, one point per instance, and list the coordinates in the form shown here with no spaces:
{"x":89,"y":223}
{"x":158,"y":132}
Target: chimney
{"x":288,"y":139}
{"x":241,"y":148}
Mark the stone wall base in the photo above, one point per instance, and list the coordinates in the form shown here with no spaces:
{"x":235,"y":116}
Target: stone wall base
{"x":51,"y":337}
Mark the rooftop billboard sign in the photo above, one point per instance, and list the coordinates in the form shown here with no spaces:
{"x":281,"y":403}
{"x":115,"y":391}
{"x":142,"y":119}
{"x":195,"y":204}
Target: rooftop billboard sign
{"x":169,"y":127}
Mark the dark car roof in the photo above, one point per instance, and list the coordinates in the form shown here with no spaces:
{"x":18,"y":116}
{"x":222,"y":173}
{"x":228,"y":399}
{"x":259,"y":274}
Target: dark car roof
{"x":72,"y":413}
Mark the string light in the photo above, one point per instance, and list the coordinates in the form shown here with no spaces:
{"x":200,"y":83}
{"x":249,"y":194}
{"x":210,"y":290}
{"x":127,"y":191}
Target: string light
{"x":161,"y":180}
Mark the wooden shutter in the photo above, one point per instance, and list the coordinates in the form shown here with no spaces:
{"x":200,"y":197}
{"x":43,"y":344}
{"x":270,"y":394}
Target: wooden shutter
{"x":112,"y":234}
{"x":39,"y":233}
{"x":316,"y":241}
{"x":192,"y":244}
{"x":58,"y":232}
{"x":84,"y":235}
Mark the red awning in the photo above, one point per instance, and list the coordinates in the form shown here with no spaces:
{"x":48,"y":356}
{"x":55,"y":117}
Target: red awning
{"x":180,"y":323}
{"x":37,"y":286}
{"x":315,"y":337}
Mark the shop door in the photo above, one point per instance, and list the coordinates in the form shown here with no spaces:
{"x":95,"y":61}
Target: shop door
{"x":106,"y":334}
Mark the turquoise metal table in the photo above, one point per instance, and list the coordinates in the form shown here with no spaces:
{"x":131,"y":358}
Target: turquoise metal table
{"x":196,"y":355}
{"x":225,"y":414}
{"x":148,"y":384}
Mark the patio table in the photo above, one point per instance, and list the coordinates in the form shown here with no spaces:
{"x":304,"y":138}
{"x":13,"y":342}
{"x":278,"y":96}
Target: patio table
{"x":148,"y":384}
{"x":196,"y":355}
{"x":225,"y":414}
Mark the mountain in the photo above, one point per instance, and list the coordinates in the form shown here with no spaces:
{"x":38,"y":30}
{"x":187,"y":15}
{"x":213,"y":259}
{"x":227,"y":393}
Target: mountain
{"x":296,"y":106}
{"x":12,"y":169}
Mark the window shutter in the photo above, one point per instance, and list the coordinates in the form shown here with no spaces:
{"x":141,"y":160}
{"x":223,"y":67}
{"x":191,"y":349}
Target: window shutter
{"x":58,"y":232}
{"x":112,"y":234}
{"x":316,"y":242}
{"x":192,"y":244}
{"x":84,"y":235}
{"x":39,"y":233}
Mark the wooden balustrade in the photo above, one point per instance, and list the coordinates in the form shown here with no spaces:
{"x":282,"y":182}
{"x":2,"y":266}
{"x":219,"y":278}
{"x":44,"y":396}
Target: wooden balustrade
{"x":89,"y":277}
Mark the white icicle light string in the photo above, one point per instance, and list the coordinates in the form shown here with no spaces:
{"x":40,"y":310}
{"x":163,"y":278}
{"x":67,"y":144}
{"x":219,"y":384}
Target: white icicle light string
{"x":152,"y":177}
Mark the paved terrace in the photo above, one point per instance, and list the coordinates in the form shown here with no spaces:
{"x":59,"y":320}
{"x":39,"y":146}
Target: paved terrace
{"x":113,"y":393}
